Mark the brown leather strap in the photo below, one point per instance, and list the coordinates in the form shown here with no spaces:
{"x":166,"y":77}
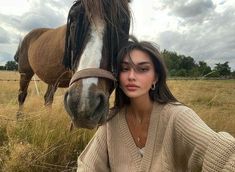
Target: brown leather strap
{"x":92,"y":72}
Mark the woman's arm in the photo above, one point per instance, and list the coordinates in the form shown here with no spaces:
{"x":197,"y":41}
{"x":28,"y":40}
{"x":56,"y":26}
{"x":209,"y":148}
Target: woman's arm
{"x":207,"y":149}
{"x":94,"y":157}
{"x":220,"y":154}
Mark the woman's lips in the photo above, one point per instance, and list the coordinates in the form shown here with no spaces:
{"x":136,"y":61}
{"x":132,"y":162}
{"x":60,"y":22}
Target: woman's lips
{"x":131,"y":87}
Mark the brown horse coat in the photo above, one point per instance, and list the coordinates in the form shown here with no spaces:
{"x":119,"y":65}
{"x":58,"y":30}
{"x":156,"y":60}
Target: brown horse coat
{"x":47,"y":64}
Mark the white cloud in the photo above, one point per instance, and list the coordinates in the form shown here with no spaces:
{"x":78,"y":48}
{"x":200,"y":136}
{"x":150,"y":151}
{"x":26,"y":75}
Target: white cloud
{"x":4,"y":36}
{"x":13,"y":7}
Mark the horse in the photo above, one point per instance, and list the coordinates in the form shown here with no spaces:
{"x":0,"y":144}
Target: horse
{"x":41,"y":52}
{"x":80,"y":55}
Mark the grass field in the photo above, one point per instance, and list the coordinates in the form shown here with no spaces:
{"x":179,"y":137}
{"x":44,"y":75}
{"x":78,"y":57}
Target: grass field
{"x":42,"y":140}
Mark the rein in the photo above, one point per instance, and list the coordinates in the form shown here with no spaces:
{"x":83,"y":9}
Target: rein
{"x":92,"y":72}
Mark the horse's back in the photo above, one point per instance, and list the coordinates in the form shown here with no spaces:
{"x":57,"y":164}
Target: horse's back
{"x":21,"y":55}
{"x":46,"y":54}
{"x":35,"y":34}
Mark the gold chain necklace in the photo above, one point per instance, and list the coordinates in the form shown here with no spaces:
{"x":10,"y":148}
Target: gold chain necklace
{"x":136,"y":123}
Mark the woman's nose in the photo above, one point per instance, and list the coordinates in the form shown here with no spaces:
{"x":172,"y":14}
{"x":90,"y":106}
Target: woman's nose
{"x":131,"y":74}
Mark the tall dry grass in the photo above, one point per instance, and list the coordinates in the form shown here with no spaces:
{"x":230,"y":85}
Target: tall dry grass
{"x":41,"y":141}
{"x":213,"y":101}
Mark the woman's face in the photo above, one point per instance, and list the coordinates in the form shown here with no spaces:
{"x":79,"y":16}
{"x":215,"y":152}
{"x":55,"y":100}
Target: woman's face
{"x":137,"y":74}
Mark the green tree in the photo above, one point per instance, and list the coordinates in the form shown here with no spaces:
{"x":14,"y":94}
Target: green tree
{"x":233,"y":74}
{"x":11,"y":65}
{"x":2,"y":68}
{"x":172,"y":61}
{"x":203,"y":68}
{"x":187,"y":63}
{"x":223,"y":69}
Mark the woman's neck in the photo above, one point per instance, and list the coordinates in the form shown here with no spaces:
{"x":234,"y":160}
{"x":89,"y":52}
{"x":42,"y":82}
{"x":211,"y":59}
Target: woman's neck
{"x":140,"y":108}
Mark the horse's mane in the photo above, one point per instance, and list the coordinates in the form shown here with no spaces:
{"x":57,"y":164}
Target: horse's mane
{"x":109,"y":10}
{"x":113,"y":12}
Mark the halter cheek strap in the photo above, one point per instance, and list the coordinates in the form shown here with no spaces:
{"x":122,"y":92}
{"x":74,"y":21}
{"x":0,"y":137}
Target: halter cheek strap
{"x":92,"y":72}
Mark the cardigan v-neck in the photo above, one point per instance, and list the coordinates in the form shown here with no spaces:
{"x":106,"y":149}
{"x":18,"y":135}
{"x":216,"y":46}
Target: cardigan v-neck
{"x":141,"y":163}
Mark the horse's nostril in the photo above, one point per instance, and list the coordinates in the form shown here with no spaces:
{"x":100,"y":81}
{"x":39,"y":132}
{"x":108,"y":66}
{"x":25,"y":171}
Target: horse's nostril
{"x":100,"y":99}
{"x":99,"y":102}
{"x":71,"y":104}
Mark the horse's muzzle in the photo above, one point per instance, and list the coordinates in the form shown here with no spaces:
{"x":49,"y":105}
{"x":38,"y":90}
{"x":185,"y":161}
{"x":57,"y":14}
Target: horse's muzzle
{"x":88,"y":112}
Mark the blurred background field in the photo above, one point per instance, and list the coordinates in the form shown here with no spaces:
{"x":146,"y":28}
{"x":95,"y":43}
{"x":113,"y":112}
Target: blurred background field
{"x":41,"y":141}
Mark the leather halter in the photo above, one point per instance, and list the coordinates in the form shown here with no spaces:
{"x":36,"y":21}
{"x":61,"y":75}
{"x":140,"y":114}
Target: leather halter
{"x":92,"y":72}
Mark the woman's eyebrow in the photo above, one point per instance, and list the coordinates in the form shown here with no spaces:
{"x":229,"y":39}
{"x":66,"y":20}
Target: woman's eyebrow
{"x":140,"y":63}
{"x":143,"y":63}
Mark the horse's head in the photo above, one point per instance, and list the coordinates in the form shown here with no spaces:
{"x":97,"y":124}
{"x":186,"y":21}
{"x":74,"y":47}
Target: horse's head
{"x":96,"y":30}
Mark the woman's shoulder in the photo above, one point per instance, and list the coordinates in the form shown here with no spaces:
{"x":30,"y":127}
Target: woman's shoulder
{"x":172,"y":106}
{"x":175,"y":109}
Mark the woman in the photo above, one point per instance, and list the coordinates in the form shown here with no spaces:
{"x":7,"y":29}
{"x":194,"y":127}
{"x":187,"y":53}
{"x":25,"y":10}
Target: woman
{"x":152,"y":131}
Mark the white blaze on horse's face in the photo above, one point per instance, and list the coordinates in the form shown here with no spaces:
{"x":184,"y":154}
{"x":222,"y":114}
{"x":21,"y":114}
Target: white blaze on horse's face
{"x":91,"y":58}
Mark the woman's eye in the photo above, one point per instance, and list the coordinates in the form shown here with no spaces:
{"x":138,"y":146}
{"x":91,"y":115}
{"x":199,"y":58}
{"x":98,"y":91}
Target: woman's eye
{"x":143,"y":69}
{"x":123,"y":69}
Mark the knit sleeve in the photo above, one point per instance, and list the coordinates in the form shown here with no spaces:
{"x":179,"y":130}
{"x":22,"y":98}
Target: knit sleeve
{"x":94,"y":158}
{"x":207,"y":150}
{"x":220,"y":155}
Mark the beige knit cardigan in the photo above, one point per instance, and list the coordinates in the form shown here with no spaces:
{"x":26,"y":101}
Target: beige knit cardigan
{"x":178,"y":141}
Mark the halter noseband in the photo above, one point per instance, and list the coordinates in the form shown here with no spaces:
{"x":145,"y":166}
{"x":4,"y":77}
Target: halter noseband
{"x":92,"y":72}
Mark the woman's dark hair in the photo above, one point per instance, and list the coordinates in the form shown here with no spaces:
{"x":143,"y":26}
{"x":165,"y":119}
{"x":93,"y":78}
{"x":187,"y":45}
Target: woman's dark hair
{"x":161,"y":93}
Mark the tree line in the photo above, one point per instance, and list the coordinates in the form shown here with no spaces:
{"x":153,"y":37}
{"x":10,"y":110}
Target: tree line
{"x":10,"y":65}
{"x":178,"y":66}
{"x":185,"y":66}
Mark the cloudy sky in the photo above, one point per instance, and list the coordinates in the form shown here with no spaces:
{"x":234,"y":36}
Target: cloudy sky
{"x":202,"y":29}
